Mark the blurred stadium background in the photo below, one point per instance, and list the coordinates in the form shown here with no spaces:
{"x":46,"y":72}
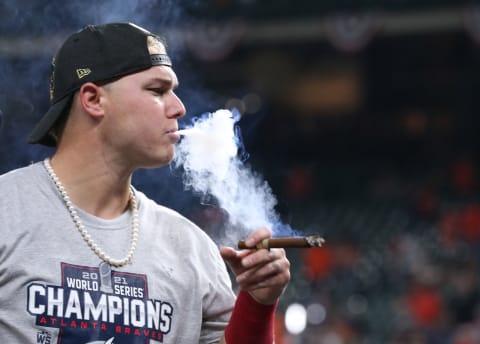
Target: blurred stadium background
{"x":363,"y":117}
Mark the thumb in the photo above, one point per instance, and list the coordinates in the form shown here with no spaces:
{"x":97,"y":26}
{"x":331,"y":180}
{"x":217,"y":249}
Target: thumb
{"x":228,"y":253}
{"x":233,"y":259}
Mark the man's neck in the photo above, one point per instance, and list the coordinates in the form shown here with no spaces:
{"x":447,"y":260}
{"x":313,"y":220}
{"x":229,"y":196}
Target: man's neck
{"x":98,"y":187}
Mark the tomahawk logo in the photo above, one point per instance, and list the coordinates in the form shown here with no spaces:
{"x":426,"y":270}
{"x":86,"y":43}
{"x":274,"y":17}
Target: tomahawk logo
{"x":90,"y":307}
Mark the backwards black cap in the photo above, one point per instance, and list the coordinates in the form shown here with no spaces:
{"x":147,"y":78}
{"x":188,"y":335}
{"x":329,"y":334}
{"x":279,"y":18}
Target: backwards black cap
{"x":96,"y":53}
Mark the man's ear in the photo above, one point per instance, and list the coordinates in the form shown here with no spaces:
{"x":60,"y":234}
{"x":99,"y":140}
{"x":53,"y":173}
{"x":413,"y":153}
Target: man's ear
{"x":90,"y":96}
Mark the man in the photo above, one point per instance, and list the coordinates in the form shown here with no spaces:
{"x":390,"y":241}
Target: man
{"x":87,"y":258}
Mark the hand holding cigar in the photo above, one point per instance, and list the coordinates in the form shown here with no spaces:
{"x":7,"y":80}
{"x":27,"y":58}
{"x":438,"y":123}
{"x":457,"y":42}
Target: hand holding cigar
{"x":288,"y":242}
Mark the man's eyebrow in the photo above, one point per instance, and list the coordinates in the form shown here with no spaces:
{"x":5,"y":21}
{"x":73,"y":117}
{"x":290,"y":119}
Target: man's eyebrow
{"x":173,"y":83}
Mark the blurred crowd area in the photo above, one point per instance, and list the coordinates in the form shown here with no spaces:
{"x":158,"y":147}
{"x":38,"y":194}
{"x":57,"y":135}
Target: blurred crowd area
{"x":401,"y":265}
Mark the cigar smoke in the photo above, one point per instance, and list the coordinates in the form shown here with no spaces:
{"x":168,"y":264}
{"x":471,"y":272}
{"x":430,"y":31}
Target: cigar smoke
{"x":208,"y":153}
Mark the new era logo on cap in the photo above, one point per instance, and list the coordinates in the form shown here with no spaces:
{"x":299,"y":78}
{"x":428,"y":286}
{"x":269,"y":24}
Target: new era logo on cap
{"x":81,"y":72}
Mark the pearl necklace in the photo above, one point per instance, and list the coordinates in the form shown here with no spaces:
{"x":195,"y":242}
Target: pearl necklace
{"x":81,"y":228}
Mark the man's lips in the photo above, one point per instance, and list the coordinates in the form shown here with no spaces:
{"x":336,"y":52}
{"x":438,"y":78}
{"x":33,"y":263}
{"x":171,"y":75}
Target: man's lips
{"x":173,"y":135}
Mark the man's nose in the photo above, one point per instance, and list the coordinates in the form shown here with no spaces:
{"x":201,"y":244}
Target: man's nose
{"x":176,"y":107}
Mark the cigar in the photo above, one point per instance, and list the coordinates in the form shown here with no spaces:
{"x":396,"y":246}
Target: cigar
{"x":289,"y":242}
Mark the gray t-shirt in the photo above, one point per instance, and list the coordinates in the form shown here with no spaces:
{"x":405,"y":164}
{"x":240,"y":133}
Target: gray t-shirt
{"x":52,"y":289}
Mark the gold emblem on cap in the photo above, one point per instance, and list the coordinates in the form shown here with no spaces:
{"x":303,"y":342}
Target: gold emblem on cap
{"x":82,"y":72}
{"x":155,"y":46}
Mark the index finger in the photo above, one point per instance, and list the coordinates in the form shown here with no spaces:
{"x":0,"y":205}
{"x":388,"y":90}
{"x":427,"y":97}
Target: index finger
{"x":257,"y":236}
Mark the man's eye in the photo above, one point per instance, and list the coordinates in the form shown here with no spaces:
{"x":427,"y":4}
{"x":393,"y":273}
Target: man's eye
{"x":159,"y":91}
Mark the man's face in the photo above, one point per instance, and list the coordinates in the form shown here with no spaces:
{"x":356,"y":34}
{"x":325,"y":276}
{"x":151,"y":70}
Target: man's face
{"x":142,"y":111}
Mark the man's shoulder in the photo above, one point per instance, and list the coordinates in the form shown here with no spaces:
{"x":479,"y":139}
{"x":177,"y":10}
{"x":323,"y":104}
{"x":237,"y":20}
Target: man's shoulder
{"x":19,"y":174}
{"x":156,"y":209}
{"x":20,"y":186}
{"x":160,"y":214}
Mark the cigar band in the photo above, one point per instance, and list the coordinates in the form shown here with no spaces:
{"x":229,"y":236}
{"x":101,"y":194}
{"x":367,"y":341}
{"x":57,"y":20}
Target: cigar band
{"x":263,"y":244}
